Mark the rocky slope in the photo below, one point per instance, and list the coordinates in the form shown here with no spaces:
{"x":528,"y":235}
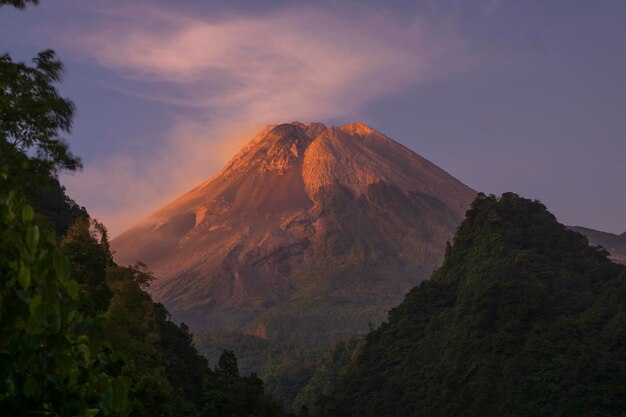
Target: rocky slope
{"x":307,"y":231}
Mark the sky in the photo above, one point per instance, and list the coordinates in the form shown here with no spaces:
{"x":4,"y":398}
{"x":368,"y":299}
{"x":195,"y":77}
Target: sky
{"x":523,"y":96}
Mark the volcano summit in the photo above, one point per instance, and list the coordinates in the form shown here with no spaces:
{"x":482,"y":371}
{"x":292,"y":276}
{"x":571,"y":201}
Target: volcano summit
{"x":307,"y":231}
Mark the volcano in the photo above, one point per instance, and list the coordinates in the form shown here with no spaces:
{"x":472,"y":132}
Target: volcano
{"x":309,"y":230}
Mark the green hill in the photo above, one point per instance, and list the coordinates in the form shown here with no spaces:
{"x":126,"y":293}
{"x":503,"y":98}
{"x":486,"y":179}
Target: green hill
{"x":524,"y":318}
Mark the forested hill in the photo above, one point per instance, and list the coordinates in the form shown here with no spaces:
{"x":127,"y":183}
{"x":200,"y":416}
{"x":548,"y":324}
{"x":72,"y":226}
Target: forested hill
{"x":524,"y":318}
{"x":163,"y":374}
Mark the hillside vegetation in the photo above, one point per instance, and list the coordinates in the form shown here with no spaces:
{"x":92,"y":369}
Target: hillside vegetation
{"x":524,"y":318}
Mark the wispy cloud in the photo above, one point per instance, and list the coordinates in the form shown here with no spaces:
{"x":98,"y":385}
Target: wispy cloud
{"x":233,"y":74}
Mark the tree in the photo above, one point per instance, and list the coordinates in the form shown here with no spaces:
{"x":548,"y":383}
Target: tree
{"x":227,"y":367}
{"x":87,"y":247}
{"x":32,"y":114}
{"x":53,"y":359}
{"x":304,"y":411}
{"x":20,"y":4}
{"x":53,"y":203}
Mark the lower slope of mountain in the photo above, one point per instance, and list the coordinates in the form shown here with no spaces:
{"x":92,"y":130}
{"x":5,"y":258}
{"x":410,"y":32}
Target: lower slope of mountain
{"x":614,"y":244}
{"x":524,"y":318}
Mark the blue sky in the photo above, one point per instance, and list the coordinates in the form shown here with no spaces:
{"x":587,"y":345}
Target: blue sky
{"x":505,"y":95}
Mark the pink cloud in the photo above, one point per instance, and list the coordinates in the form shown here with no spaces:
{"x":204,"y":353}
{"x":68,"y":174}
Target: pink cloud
{"x":241,"y":72}
{"x":302,"y":61}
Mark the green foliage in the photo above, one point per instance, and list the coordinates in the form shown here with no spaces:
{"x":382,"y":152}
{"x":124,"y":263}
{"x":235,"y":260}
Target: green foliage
{"x":613,"y":243}
{"x":32,"y":113}
{"x":331,"y":369}
{"x":169,"y":377}
{"x":87,"y":247}
{"x":185,"y":368}
{"x":522,"y":319}
{"x":166,"y":374}
{"x":52,"y":359}
{"x":285,"y":367}
{"x":49,"y":200}
{"x":232,"y":395}
{"x":227,"y":368}
{"x":134,"y":330}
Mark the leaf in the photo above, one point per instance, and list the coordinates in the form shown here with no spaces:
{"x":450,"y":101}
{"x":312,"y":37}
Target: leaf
{"x":33,"y":303}
{"x":31,"y":387}
{"x":101,"y":320}
{"x":115,"y":398}
{"x":118,"y":356}
{"x":64,"y":364}
{"x":62,"y":266}
{"x":32,"y":237}
{"x":28,"y":214}
{"x":72,"y":289}
{"x":24,"y":277}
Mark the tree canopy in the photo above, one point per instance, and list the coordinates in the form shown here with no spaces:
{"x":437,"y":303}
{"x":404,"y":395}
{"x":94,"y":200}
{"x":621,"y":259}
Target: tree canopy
{"x":524,"y":318}
{"x":53,"y":359}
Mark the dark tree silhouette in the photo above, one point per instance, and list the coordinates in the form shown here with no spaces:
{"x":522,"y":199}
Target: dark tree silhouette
{"x":20,"y":4}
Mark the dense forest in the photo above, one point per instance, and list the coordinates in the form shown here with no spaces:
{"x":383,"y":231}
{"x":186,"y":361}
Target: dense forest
{"x":80,"y":335}
{"x":524,"y":318}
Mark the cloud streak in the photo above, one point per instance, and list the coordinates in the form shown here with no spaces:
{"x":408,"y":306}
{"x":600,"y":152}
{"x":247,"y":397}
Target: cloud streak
{"x":230,"y":75}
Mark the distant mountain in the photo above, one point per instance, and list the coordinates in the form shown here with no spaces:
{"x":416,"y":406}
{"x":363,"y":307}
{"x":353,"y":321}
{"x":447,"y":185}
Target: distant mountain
{"x":614,"y":244}
{"x":307,"y":231}
{"x":524,"y":318}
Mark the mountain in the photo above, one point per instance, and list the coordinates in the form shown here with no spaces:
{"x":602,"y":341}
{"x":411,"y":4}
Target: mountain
{"x":308,"y":235}
{"x":614,"y":244}
{"x":523,"y":318}
{"x":308,"y":230}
